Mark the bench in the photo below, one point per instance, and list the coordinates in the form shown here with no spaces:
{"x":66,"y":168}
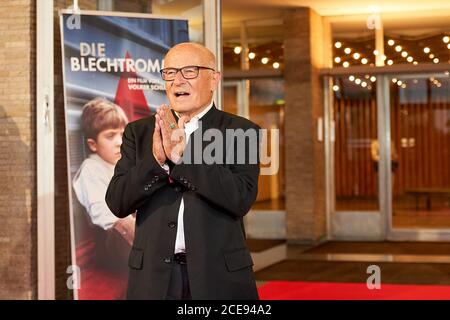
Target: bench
{"x":428,"y":193}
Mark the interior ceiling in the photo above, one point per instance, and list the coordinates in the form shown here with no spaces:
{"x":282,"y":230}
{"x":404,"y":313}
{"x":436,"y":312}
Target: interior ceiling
{"x":408,"y":17}
{"x":263,"y":18}
{"x":337,"y":7}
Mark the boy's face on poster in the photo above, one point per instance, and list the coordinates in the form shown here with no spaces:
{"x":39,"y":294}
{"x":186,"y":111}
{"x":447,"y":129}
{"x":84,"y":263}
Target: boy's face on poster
{"x":107,"y":144}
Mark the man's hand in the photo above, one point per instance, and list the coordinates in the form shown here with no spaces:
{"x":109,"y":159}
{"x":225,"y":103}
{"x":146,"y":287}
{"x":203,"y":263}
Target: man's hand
{"x":125,"y":227}
{"x":158,"y":149}
{"x":173,"y":135}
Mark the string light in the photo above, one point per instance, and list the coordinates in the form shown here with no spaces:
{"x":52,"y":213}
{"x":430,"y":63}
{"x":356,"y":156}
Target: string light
{"x":394,"y":80}
{"x":448,"y":46}
{"x":351,"y":78}
{"x":355,"y":54}
{"x":358,"y":81}
{"x":373,"y":78}
{"x":335,"y":88}
{"x":363,"y":84}
{"x":275,"y":65}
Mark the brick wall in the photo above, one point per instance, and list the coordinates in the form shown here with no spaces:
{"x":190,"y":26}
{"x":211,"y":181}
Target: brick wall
{"x":304,"y":53}
{"x":18,"y":242}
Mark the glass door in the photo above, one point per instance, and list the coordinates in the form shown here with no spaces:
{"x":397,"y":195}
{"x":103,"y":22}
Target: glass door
{"x":418,"y":167}
{"x":352,"y":186}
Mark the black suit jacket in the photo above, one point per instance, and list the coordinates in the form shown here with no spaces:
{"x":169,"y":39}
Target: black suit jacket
{"x":216,"y":198}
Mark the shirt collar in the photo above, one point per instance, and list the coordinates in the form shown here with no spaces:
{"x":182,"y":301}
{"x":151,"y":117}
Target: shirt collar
{"x":201,"y":114}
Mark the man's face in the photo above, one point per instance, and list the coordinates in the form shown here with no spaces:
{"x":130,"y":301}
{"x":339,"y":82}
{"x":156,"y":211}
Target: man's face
{"x":107,"y":144}
{"x":189,"y":96}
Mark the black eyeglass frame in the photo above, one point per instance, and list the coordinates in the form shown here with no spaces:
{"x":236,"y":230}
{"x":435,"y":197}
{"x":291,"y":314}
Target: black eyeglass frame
{"x":198,"y":68}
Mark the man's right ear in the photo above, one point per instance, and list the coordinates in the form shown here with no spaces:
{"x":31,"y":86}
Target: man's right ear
{"x":92,"y":144}
{"x":217,"y":75}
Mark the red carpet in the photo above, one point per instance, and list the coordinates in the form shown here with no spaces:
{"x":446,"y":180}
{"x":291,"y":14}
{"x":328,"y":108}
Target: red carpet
{"x":287,"y":290}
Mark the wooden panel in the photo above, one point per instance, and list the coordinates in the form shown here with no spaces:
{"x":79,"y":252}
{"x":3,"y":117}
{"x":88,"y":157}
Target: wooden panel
{"x":424,"y":158}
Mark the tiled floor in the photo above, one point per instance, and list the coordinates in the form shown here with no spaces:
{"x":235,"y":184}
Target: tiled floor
{"x":399,"y":262}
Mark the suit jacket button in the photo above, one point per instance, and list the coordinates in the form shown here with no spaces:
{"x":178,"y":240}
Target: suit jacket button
{"x":167,"y":260}
{"x":177,"y":189}
{"x":172,"y":224}
{"x":193,"y":188}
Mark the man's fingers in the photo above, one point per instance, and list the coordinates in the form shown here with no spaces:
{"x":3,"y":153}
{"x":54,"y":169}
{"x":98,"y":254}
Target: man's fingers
{"x":182,"y":121}
{"x":157,"y":126}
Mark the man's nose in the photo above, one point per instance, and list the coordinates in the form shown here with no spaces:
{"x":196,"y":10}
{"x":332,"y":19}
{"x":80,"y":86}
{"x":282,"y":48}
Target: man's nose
{"x":179,"y":78}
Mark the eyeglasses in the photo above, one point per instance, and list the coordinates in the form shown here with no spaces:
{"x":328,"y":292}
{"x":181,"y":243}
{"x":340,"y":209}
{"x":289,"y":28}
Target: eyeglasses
{"x":188,"y":72}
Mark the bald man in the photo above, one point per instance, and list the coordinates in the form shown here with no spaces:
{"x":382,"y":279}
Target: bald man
{"x":189,"y":200}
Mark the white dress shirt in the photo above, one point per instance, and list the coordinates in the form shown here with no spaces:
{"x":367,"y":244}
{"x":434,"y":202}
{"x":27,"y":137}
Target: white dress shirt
{"x":90,"y":184}
{"x":189,"y":128}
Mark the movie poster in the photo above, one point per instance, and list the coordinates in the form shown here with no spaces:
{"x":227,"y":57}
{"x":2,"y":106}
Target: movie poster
{"x":111,"y":64}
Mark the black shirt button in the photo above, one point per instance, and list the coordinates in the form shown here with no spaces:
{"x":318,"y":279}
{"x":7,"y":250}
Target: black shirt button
{"x":172,"y":224}
{"x":167,"y":260}
{"x":177,"y":189}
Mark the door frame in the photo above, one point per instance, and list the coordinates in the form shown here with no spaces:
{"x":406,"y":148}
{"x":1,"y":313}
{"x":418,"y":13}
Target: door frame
{"x":401,"y":234}
{"x":360,"y":222}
